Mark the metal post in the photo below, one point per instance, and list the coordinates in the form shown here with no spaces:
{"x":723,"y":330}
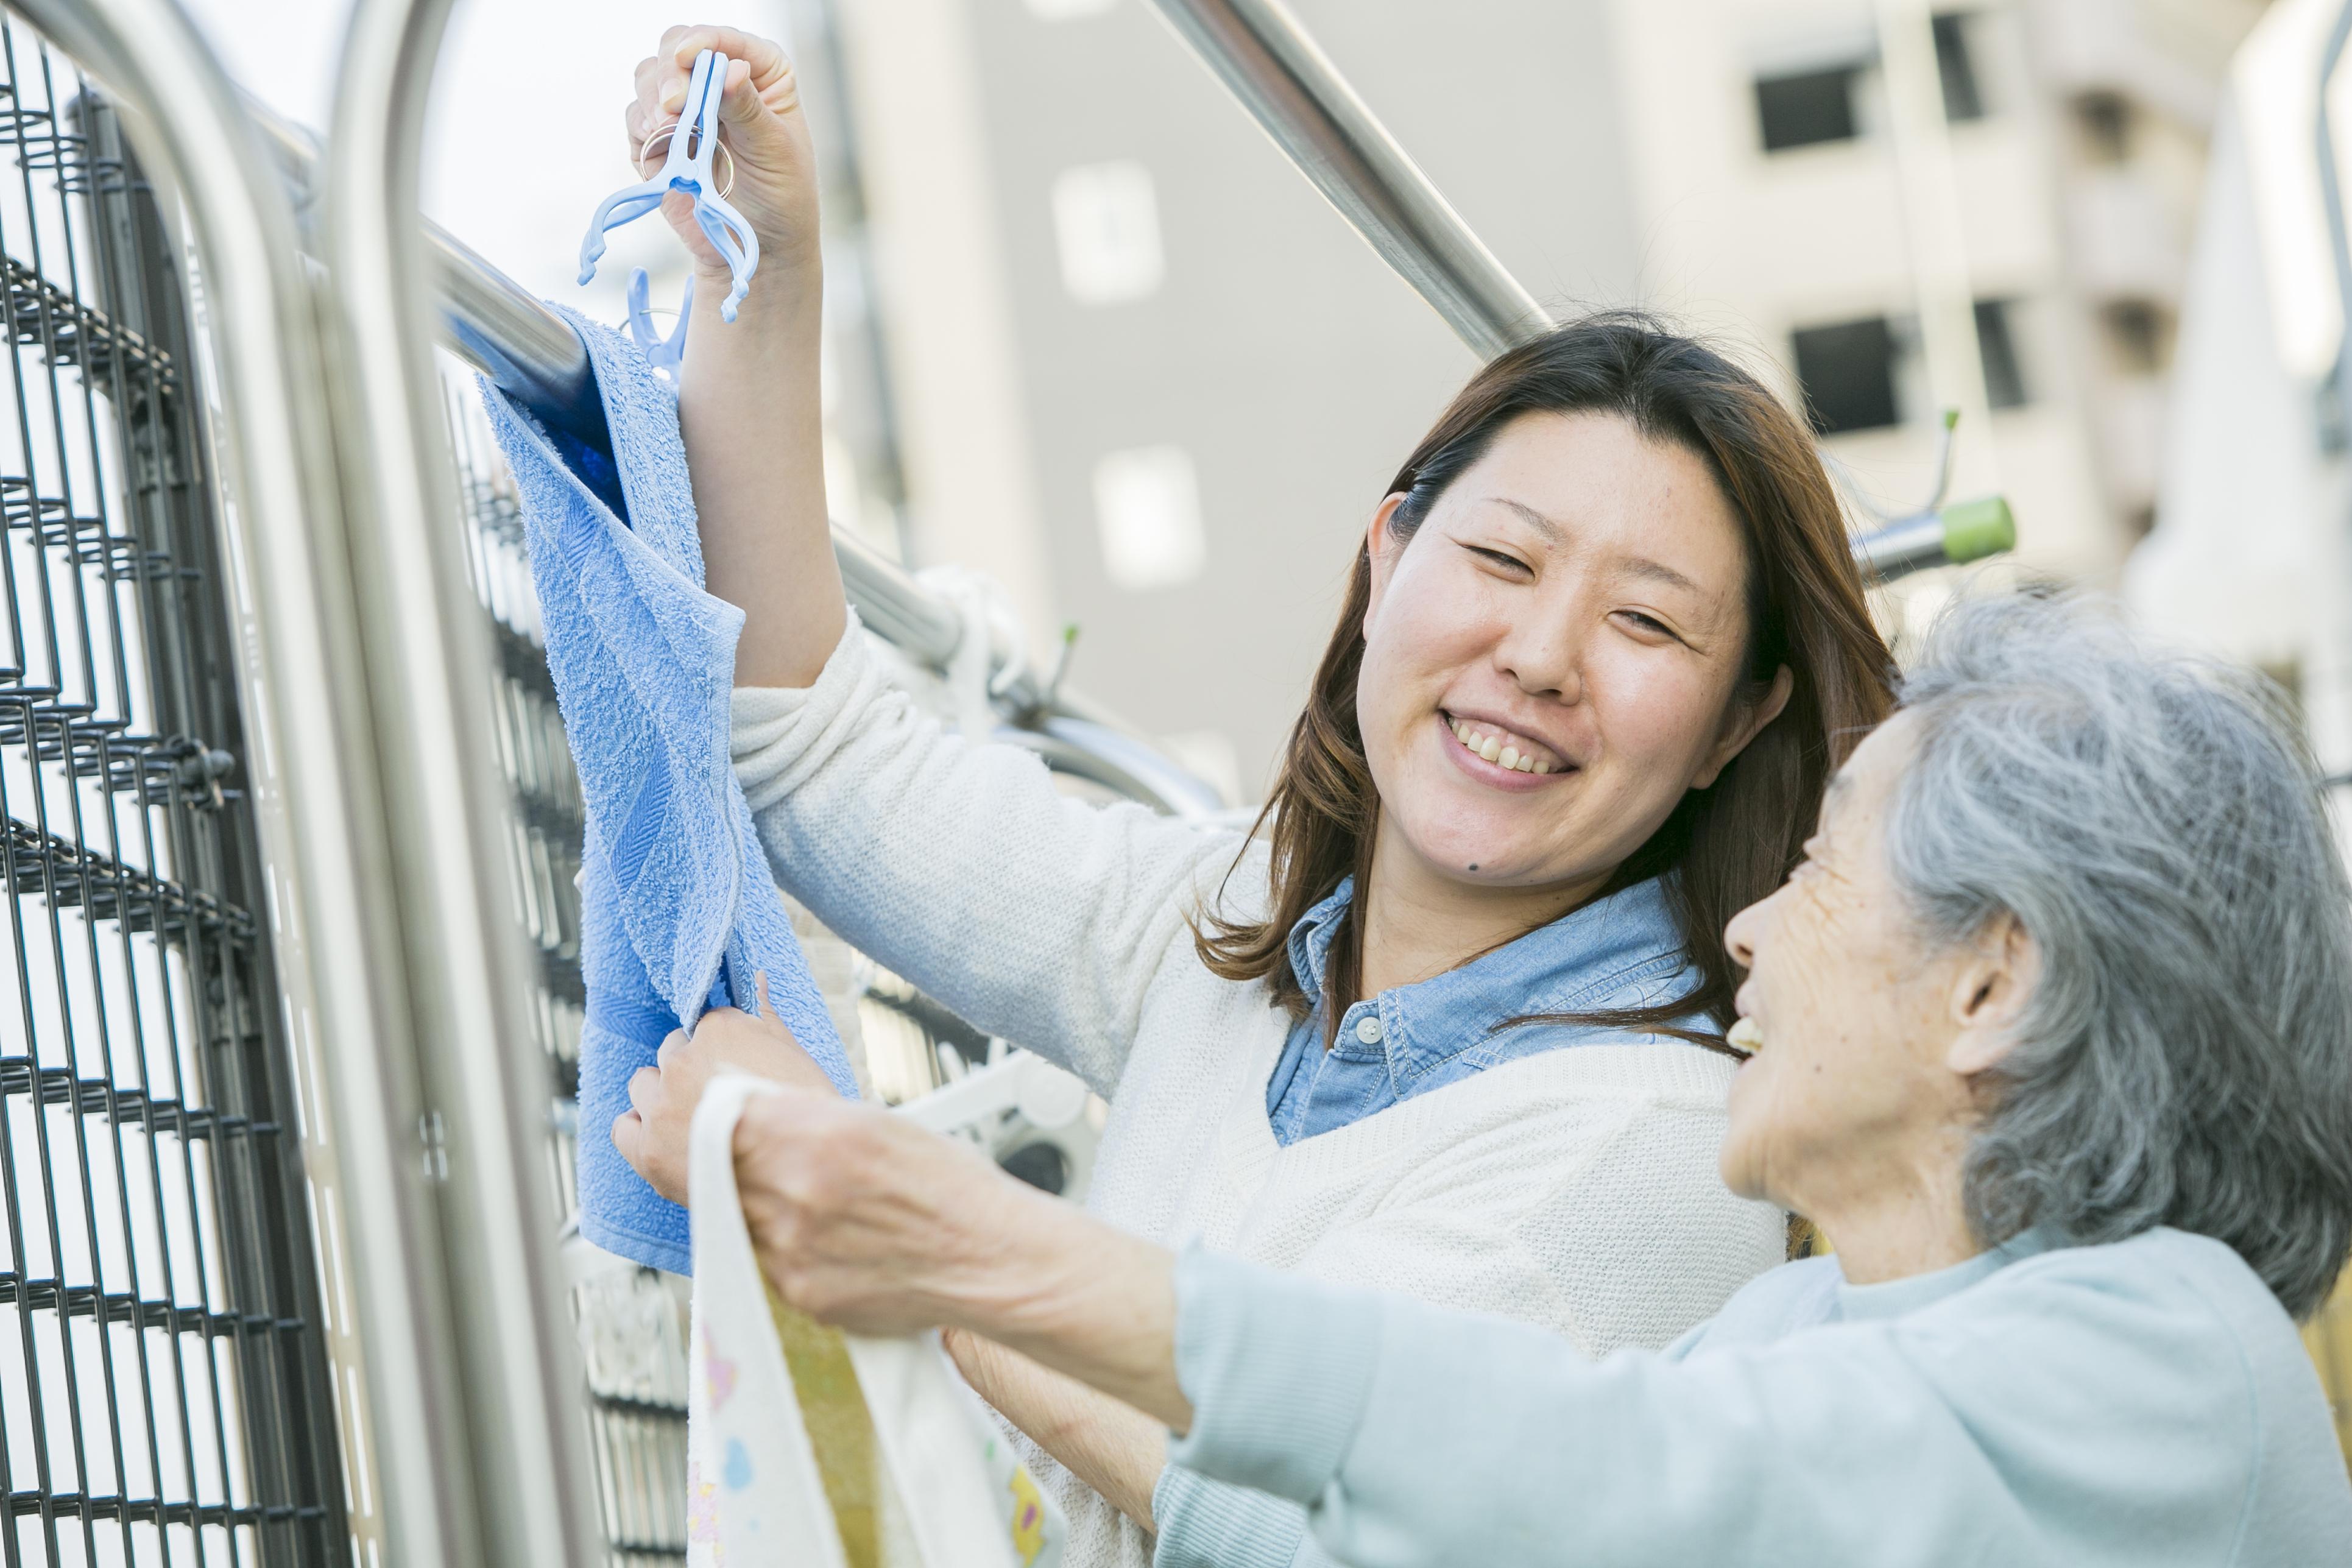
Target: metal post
{"x":1257,"y":49}
{"x":2331,"y":191}
{"x":528,"y":1495}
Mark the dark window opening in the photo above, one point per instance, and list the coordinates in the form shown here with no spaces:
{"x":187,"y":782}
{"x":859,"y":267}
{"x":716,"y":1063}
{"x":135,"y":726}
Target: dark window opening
{"x":2140,"y":333}
{"x":1808,"y":109}
{"x":1997,"y":347}
{"x":1848,"y":373}
{"x":1963,"y":94}
{"x":2105,"y":120}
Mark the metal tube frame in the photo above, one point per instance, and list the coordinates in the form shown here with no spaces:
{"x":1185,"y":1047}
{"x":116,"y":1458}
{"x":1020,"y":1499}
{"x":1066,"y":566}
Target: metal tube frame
{"x":521,"y":1481}
{"x":1271,"y":65}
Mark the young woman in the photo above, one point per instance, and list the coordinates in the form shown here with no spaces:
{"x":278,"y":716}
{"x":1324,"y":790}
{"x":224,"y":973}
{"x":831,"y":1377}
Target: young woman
{"x":1452,"y":1025}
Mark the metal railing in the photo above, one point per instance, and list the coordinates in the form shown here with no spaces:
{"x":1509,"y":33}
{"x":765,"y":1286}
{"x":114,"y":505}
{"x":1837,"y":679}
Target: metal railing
{"x":166,"y":1390}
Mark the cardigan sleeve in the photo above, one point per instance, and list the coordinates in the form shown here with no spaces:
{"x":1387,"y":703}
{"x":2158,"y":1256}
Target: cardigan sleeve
{"x":961,"y":867}
{"x":2076,"y":1414}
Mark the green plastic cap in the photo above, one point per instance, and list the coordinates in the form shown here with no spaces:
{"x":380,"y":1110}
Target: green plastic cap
{"x":1976,"y":529}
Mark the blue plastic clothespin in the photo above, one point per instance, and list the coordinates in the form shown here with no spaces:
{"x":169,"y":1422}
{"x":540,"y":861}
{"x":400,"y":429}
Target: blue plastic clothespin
{"x":662,"y":353}
{"x":693,"y":148}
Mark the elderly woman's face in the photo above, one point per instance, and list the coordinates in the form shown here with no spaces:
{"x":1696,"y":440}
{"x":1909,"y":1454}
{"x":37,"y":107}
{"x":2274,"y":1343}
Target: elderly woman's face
{"x":1853,"y":1087}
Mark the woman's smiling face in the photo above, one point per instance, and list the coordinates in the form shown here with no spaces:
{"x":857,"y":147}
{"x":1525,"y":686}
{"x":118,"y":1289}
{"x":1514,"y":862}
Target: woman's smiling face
{"x":1557,"y":655}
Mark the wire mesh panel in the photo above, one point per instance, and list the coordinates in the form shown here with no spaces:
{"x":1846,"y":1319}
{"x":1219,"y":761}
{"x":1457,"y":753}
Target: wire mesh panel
{"x":163,"y":1389}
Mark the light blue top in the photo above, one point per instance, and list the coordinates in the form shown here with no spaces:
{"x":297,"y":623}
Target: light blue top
{"x":1622,"y":951}
{"x":2141,"y":1404}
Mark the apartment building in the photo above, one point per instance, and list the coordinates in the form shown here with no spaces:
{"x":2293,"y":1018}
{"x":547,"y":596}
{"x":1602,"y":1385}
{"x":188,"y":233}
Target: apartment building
{"x":1104,"y":343}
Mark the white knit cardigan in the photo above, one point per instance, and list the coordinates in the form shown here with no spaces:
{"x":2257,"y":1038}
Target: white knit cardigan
{"x":1576,"y":1188}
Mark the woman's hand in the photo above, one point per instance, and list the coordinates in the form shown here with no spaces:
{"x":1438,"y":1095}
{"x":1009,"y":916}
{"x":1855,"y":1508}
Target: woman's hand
{"x":1112,"y":1448}
{"x":862,"y":1219}
{"x":653,"y":1134}
{"x":865,"y":1220}
{"x":766,"y":140}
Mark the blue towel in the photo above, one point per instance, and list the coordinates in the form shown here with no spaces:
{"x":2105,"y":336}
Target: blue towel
{"x":678,"y":910}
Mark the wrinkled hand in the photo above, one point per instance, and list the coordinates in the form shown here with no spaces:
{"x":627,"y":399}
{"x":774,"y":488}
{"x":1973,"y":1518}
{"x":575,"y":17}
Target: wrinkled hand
{"x":653,"y":1134}
{"x":765,"y":136}
{"x":865,"y":1220}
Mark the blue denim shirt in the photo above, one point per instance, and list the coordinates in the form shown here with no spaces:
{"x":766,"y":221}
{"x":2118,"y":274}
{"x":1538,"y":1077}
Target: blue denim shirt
{"x":1624,"y":951}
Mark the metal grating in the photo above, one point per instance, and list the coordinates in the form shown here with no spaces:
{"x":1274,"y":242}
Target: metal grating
{"x":164,"y":1394}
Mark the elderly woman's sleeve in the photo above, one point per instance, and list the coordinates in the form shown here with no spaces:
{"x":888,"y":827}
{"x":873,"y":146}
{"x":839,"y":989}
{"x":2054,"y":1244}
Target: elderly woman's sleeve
{"x":2090,"y":1426}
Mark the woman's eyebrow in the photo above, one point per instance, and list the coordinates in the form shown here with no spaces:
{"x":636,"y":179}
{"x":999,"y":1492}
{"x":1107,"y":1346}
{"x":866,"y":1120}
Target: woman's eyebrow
{"x":1552,"y":532}
{"x":1634,"y":565}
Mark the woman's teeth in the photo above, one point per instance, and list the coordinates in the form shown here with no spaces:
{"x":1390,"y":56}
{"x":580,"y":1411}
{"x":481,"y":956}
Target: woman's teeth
{"x":1745,"y":1038}
{"x":1495,"y":750}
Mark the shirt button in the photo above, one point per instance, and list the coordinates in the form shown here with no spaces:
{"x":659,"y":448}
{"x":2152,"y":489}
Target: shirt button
{"x":1368,"y":1029}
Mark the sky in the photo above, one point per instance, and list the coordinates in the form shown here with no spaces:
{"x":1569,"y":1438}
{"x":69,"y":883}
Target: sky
{"x":515,"y":174}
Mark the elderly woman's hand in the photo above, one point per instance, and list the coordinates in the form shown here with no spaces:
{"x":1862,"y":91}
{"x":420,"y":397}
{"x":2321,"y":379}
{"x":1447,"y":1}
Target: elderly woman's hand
{"x":865,"y":1220}
{"x":652,"y":1136}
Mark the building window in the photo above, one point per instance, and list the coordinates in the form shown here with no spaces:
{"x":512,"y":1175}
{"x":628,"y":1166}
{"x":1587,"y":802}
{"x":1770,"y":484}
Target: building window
{"x":2139,"y":335}
{"x":1956,"y":64}
{"x":1107,"y":228}
{"x":1851,"y":371}
{"x":2004,"y":379}
{"x":1148,"y":509}
{"x":1847,"y":370}
{"x":1808,"y":109}
{"x":2103,"y":120}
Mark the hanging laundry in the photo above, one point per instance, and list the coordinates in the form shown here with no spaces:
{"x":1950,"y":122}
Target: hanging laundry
{"x":811,"y":1448}
{"x":678,"y":909}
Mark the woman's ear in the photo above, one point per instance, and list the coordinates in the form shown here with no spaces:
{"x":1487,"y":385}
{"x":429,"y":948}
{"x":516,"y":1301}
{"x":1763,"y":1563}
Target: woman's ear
{"x":1381,"y":547}
{"x":1989,"y":997}
{"x":1743,"y":724}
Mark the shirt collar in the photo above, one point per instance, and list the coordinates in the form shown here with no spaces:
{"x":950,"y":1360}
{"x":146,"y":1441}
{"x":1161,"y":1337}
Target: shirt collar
{"x":1622,"y":951}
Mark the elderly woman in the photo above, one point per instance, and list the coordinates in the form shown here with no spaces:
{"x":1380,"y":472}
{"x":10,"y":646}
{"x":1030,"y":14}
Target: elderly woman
{"x":2052,"y":1038}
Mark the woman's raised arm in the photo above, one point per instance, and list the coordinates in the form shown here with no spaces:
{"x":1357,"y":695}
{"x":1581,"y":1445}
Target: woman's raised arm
{"x":748,"y":395}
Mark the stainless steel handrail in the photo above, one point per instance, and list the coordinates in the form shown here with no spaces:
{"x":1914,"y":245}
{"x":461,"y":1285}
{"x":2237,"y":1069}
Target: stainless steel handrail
{"x":2331,"y":190}
{"x":1268,"y":60}
{"x":518,"y":1473}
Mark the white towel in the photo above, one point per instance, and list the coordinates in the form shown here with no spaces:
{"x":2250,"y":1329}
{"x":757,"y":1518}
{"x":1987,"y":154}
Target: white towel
{"x":810,"y":1448}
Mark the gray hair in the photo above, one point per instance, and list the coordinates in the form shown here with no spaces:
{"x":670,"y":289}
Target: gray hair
{"x":2156,"y":824}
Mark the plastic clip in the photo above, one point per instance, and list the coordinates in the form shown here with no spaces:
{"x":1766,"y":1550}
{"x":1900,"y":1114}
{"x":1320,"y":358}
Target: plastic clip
{"x":693,"y":148}
{"x":662,"y":353}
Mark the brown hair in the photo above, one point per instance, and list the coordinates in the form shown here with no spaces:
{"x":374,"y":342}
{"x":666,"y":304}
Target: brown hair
{"x":1730,"y":844}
